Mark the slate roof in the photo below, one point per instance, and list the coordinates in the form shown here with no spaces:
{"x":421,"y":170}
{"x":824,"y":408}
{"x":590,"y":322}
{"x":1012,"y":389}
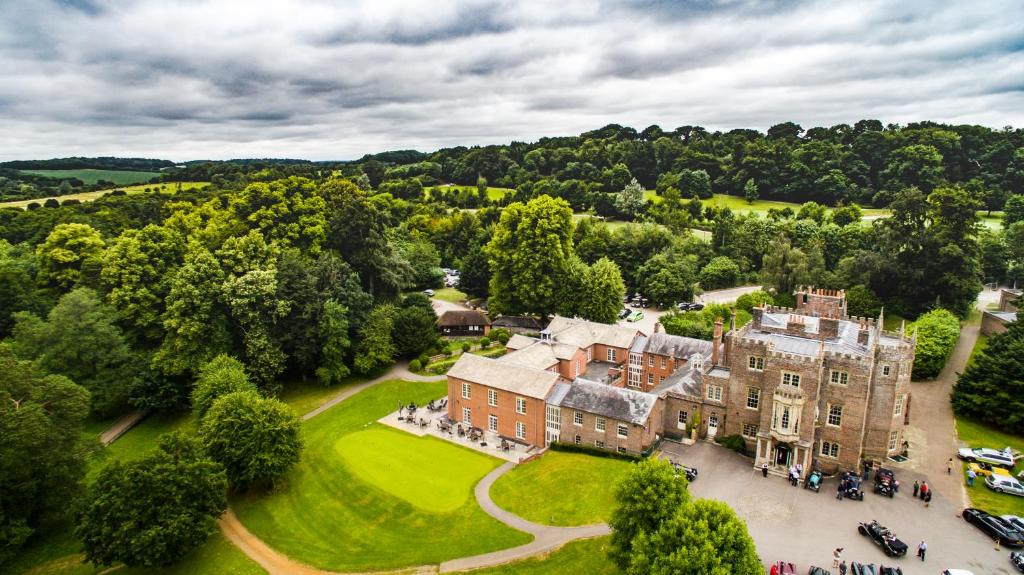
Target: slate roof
{"x":845,"y":342}
{"x":1006,"y":316}
{"x":682,"y":382}
{"x":505,"y":376}
{"x":584,"y":334}
{"x":607,"y":401}
{"x":677,"y":346}
{"x":518,"y":321}
{"x":462,"y":317}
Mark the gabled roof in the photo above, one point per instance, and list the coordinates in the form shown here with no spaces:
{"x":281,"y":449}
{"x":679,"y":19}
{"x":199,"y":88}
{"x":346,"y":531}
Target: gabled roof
{"x":537,"y":356}
{"x":519,"y":341}
{"x":605,"y":400}
{"x":583,"y":334}
{"x":518,"y":321}
{"x":505,"y":376}
{"x":677,"y":346}
{"x":462,"y":317}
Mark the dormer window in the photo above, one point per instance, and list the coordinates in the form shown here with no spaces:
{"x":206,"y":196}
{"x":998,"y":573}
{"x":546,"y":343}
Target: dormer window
{"x":545,"y":335}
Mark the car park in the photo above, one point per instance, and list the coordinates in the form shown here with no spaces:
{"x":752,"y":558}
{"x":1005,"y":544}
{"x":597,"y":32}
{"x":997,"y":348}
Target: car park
{"x":1002,"y":458}
{"x":994,"y":527}
{"x":1004,"y":484}
{"x":637,"y":315}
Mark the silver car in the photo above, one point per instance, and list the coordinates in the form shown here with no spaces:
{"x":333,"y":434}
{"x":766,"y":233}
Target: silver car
{"x":1001,"y":458}
{"x":1004,"y":484}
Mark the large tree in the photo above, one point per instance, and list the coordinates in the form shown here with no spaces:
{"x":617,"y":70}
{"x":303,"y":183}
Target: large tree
{"x":254,"y":438}
{"x":80,"y":339}
{"x":991,"y":389}
{"x":42,"y":458}
{"x":376,"y":349}
{"x":649,"y":494}
{"x":600,"y":295}
{"x":67,"y":252}
{"x":668,"y":277}
{"x":704,"y":537}
{"x":220,"y":376}
{"x":151,"y":512}
{"x":530,"y":253}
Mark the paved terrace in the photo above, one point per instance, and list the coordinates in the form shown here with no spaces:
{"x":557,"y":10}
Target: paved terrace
{"x":489,"y":445}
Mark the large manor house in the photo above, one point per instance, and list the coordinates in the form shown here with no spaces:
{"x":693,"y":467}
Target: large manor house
{"x":809,"y":385}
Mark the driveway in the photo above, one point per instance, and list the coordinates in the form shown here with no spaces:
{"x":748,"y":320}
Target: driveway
{"x":652,"y":315}
{"x":801,"y":526}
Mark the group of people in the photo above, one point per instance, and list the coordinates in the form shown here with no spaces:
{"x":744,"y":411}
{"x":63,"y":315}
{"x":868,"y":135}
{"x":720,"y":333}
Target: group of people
{"x":795,"y":472}
{"x":847,"y":481}
{"x":924,"y":492}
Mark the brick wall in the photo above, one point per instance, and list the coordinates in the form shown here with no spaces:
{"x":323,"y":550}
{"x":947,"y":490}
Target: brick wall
{"x":505,"y":410}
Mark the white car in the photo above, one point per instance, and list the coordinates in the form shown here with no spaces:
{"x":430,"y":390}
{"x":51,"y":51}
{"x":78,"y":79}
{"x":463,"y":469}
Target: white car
{"x":957,"y":572}
{"x":1002,"y":458}
{"x":1004,"y":484}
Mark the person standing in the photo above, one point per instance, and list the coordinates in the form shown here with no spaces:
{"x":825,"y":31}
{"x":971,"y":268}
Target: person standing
{"x":928,"y":498}
{"x":970,"y":477}
{"x":839,"y":490}
{"x":895,"y":485}
{"x":949,"y":466}
{"x":917,"y":488}
{"x":836,"y":556}
{"x":842,"y":568}
{"x":921,"y":549}
{"x":924,"y":489}
{"x":764,"y":469}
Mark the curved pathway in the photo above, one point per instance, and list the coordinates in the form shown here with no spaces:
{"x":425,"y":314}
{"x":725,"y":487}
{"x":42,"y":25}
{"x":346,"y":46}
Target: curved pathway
{"x":546,"y":538}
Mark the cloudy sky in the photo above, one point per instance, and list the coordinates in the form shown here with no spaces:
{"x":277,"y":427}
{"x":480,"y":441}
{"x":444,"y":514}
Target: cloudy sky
{"x":324,"y":79}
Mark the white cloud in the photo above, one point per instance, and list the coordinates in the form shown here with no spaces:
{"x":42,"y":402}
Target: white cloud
{"x":329,"y":80}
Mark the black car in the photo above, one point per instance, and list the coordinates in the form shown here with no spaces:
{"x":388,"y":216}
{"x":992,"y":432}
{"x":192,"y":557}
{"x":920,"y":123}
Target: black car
{"x":1017,"y":558}
{"x":885,"y":482}
{"x":624,"y":313}
{"x":691,"y":472}
{"x":995,"y":527}
{"x":884,"y":538}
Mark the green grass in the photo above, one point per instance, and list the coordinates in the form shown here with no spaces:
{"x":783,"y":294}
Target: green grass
{"x":892,"y":322}
{"x":90,"y":196}
{"x":305,"y":396}
{"x":978,"y":346}
{"x":450,"y":294}
{"x":561,"y":488}
{"x":139,"y":440}
{"x":493,"y":194}
{"x":328,"y":517}
{"x":976,"y":434}
{"x":387,"y":458}
{"x":588,"y":556}
{"x":119,"y":177}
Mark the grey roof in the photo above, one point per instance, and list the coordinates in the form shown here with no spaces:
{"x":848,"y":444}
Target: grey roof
{"x":845,"y":342}
{"x":611,"y":402}
{"x":558,"y":393}
{"x":583,"y":334}
{"x":682,"y":382}
{"x":677,"y":346}
{"x":518,"y":341}
{"x":462,"y":317}
{"x":518,"y":321}
{"x":639,"y":345}
{"x":1006,"y":316}
{"x":506,"y":376}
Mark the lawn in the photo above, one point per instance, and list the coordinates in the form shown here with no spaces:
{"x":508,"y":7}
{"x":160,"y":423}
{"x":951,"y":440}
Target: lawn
{"x":90,"y":196}
{"x":978,"y":346}
{"x":387,"y":458}
{"x":588,"y":556}
{"x":561,"y":488}
{"x":493,"y":194}
{"x":305,"y":396}
{"x":450,"y":294}
{"x":976,"y":434}
{"x":328,"y":516}
{"x":119,"y":177}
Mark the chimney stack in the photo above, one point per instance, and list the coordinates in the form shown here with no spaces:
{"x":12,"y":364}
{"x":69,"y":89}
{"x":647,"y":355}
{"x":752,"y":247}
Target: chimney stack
{"x":717,"y":342}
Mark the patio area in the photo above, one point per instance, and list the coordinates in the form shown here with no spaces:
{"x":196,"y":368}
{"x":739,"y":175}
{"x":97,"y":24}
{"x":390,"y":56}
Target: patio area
{"x":434,"y":422}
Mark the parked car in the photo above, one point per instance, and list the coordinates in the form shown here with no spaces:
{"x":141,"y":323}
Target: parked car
{"x":429,"y":292}
{"x":885,"y":482}
{"x":884,"y":538}
{"x":1017,"y":558}
{"x":1002,"y":458}
{"x":1015,"y":521}
{"x":636,"y":315}
{"x":624,"y":313}
{"x":1004,"y":484}
{"x":684,"y":306}
{"x":957,"y":572}
{"x":691,"y":472}
{"x":983,"y":469}
{"x":696,"y":306}
{"x":994,"y":527}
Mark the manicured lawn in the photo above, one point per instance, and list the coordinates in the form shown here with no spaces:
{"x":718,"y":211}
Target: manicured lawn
{"x":305,"y":396}
{"x":976,"y":434}
{"x":119,"y":177}
{"x":561,"y":488}
{"x":429,"y":473}
{"x":90,"y":196}
{"x":328,"y":516}
{"x":450,"y":294}
{"x":589,"y":556}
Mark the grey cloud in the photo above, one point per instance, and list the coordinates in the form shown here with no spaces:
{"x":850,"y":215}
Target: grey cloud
{"x":316,"y":79}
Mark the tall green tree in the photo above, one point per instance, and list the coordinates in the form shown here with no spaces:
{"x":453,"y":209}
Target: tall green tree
{"x":256,"y":439}
{"x":66,"y":252}
{"x":630,"y":201}
{"x":704,"y":537}
{"x":221,"y":376}
{"x":42,"y":456}
{"x":376,"y":350}
{"x":750,"y":191}
{"x":601,"y":293}
{"x":785,"y":267}
{"x":648,"y":495}
{"x":153,"y":511}
{"x":991,"y":389}
{"x":80,"y":340}
{"x":668,"y":277}
{"x":335,"y":343}
{"x":530,"y":253}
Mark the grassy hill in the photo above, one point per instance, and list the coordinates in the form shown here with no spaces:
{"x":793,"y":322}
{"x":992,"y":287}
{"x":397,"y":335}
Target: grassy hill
{"x":119,"y":177}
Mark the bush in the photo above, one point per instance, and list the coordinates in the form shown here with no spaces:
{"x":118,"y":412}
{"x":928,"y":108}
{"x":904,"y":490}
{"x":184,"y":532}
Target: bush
{"x":590,"y":450}
{"x":720,"y":272}
{"x":424,"y":359}
{"x":862,"y":302}
{"x":447,"y":351}
{"x":501,"y":334}
{"x":415,"y":366}
{"x":748,"y":301}
{"x":735,"y":443}
{"x":466,"y":347}
{"x":485,"y":342}
{"x":937,"y":334}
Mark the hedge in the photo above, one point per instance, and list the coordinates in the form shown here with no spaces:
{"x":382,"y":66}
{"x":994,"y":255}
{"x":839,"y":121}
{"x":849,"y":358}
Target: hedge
{"x":595,"y":451}
{"x":937,"y":334}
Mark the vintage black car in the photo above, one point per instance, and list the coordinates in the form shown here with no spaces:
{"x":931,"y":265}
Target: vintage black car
{"x":885,"y":482}
{"x":884,"y":538}
{"x":691,"y":472}
{"x":1017,"y":558}
{"x":995,"y":527}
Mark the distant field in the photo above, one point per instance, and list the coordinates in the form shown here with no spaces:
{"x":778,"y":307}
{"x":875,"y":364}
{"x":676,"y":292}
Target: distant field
{"x":90,"y":196}
{"x":493,"y":194}
{"x":119,"y":177}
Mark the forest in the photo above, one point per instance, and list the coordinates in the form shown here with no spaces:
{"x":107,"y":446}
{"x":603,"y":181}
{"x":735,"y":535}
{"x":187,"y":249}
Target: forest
{"x":305,"y":271}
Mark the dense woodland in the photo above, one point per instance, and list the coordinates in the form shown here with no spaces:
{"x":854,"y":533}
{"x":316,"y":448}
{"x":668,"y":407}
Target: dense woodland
{"x":286,"y":271}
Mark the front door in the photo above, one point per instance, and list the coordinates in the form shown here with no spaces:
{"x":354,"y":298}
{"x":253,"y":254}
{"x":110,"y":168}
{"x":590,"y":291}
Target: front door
{"x":712,"y":426}
{"x":783,"y":455}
